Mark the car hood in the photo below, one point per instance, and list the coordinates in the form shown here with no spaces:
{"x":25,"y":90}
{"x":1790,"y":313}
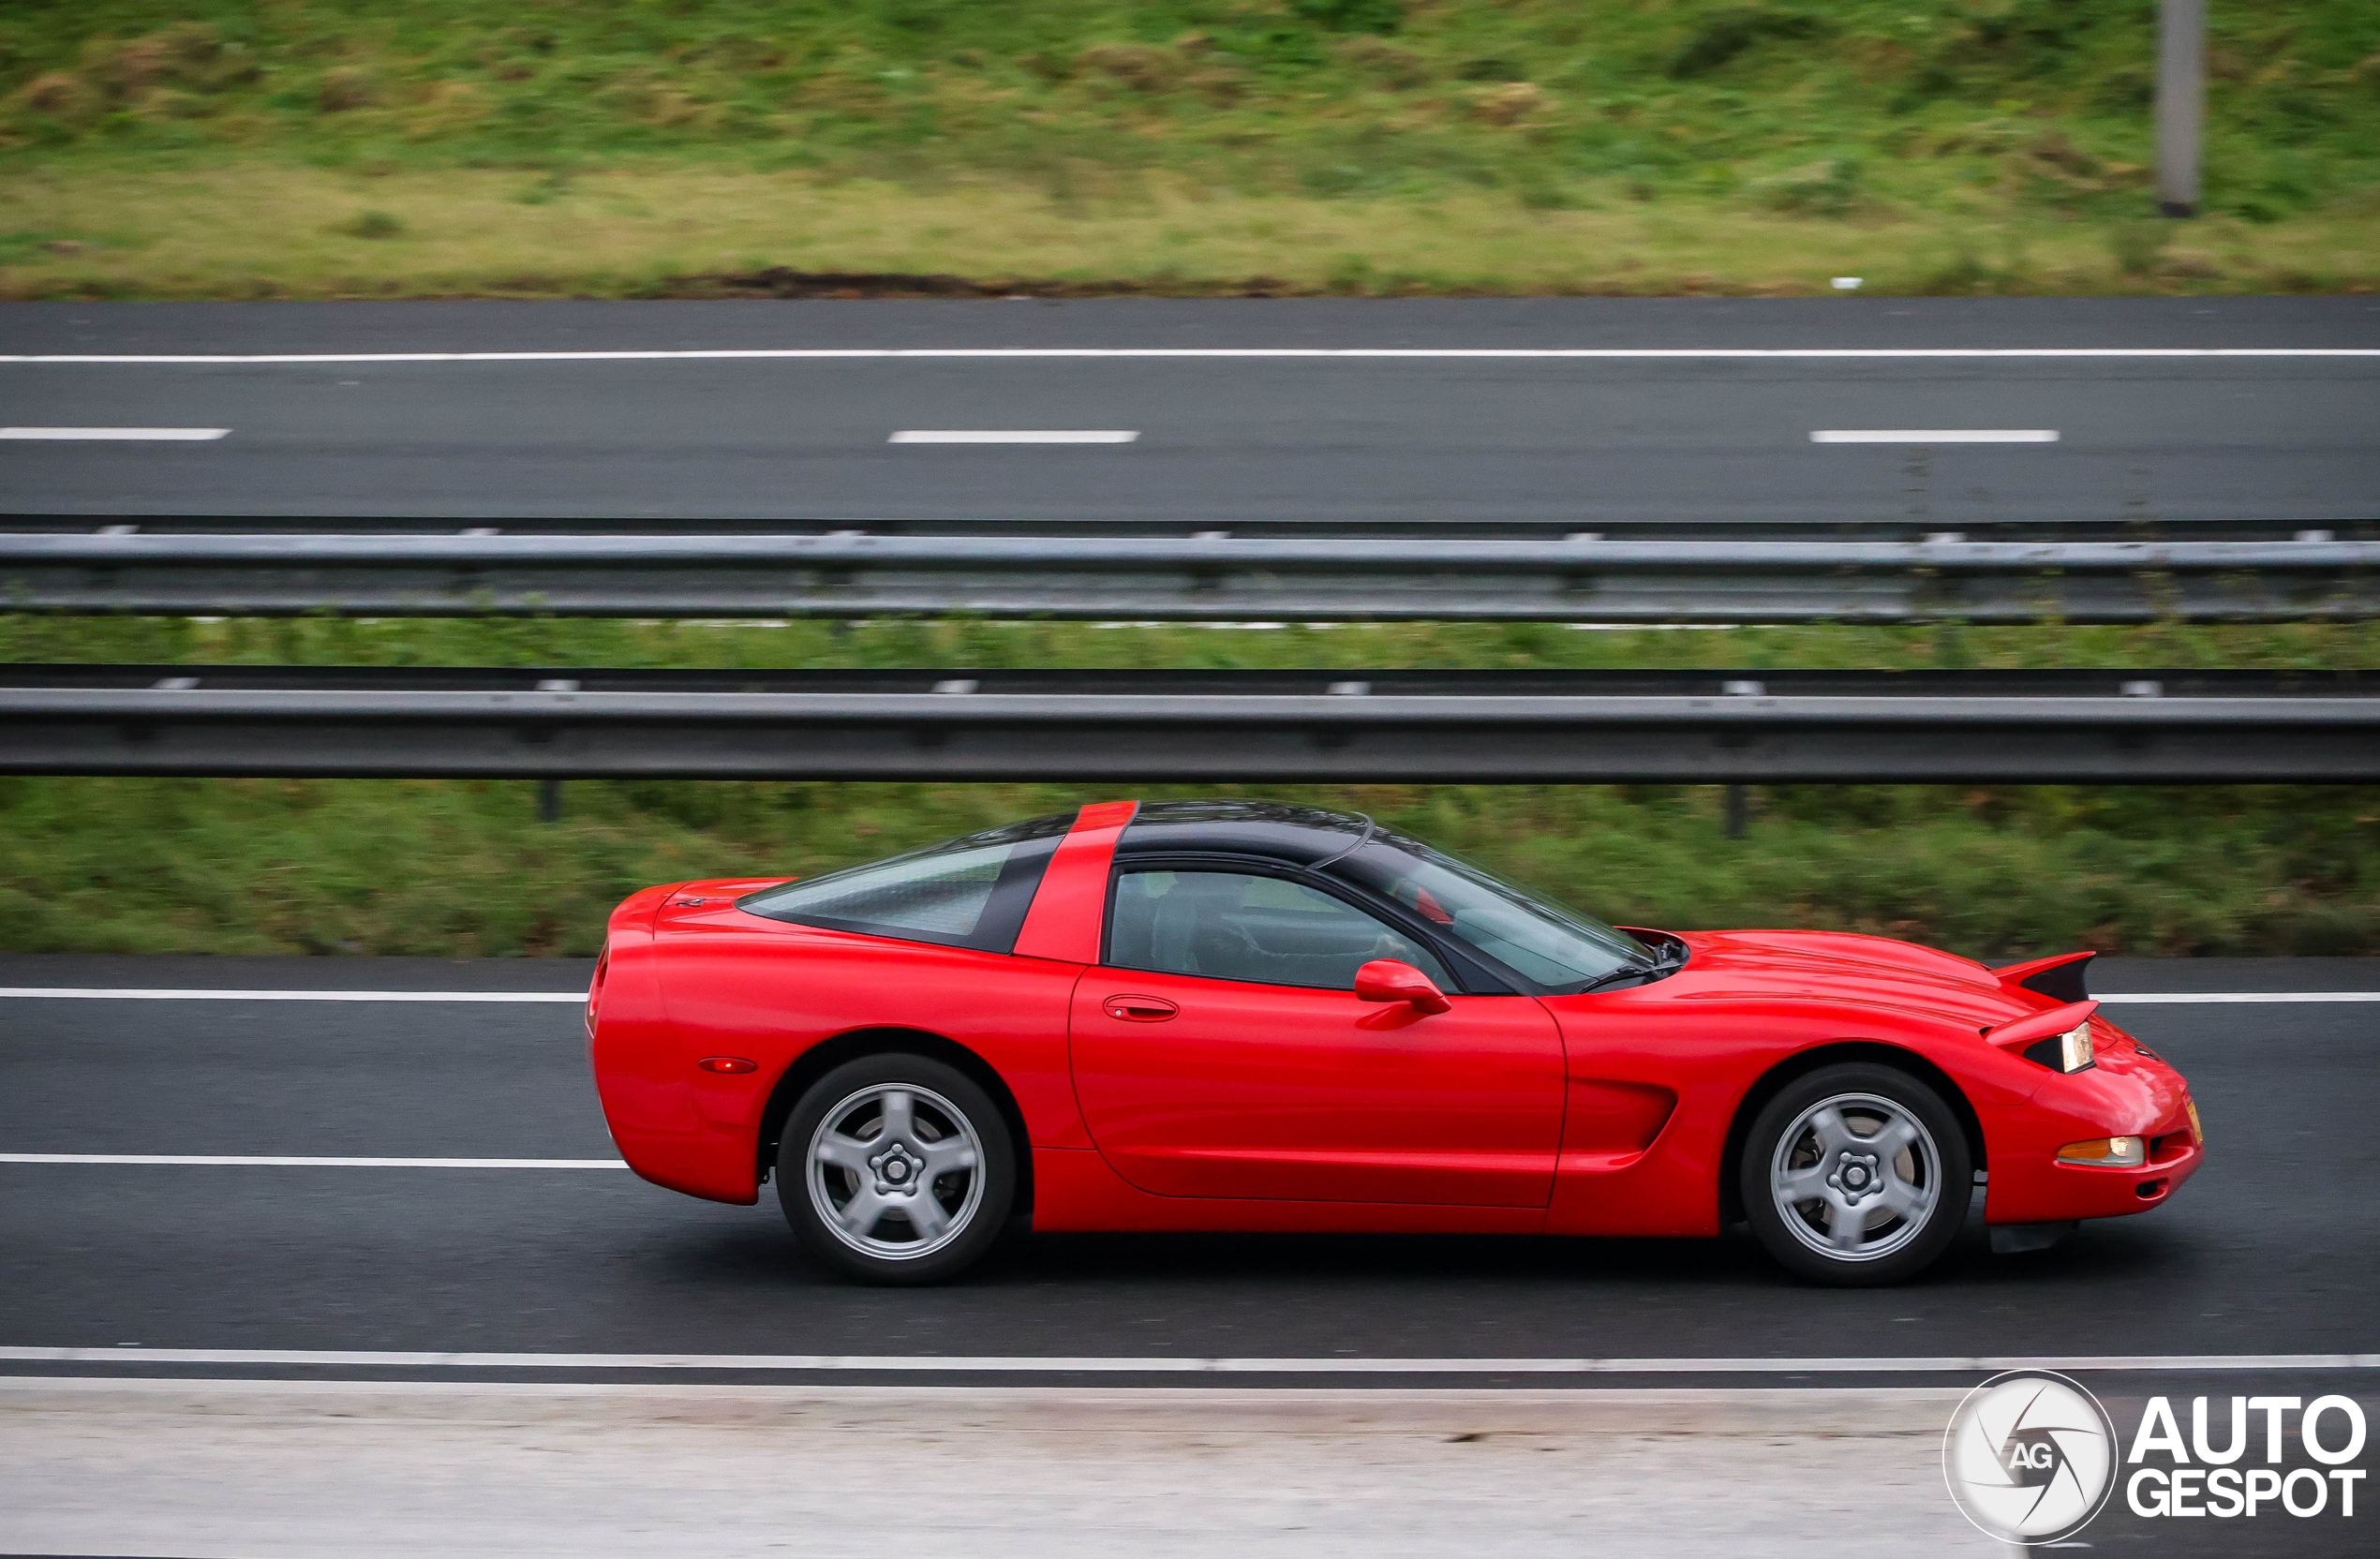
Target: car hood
{"x":1841,"y":966}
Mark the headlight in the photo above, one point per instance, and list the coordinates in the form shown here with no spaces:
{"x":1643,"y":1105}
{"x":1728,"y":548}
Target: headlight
{"x":2073,"y":1048}
{"x":2068,"y":1052}
{"x":2106,"y":1152}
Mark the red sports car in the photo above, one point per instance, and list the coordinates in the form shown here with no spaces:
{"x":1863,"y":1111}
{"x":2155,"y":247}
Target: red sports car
{"x":1197,"y":1014}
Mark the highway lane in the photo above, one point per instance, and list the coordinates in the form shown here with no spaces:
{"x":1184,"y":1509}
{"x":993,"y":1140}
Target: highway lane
{"x":1219,"y":439}
{"x":2269,"y":1249}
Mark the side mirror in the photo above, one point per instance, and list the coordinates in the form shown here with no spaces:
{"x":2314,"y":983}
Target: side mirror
{"x":1387,"y":980}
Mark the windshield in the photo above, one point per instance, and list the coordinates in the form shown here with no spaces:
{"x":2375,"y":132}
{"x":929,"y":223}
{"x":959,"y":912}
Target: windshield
{"x":1542,"y":942}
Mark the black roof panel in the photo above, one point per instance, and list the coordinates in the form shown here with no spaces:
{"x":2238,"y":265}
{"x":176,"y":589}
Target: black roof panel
{"x":1274,"y":829}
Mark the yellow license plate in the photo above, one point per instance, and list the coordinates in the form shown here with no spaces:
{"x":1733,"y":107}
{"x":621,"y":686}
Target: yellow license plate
{"x":2196,"y":1129}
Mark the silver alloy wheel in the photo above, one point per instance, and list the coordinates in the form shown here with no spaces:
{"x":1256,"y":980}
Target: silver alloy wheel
{"x":895,"y":1171}
{"x":1855,"y":1177}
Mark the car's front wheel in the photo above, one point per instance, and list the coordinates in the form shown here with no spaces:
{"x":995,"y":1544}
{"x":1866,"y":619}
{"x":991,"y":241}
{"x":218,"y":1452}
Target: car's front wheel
{"x":896,"y":1169}
{"x":1856,"y":1175}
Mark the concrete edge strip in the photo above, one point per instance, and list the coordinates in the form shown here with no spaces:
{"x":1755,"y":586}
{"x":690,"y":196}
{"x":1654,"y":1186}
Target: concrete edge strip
{"x":814,"y":353}
{"x":1015,"y":1364}
{"x":1012,"y":1393}
{"x":72,"y":993}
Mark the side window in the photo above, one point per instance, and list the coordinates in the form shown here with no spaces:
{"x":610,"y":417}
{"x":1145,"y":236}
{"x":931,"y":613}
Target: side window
{"x":969,"y":892}
{"x":1230,"y":925}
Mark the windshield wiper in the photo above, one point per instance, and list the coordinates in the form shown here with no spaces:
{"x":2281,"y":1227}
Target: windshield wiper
{"x":1622,"y":973}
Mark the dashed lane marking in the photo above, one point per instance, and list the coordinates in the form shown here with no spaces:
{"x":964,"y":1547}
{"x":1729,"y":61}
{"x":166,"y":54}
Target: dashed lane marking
{"x":154,"y":435}
{"x":1017,"y":436}
{"x":1934,"y":436}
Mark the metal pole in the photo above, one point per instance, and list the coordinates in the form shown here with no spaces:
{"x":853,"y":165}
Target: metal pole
{"x":549,"y":800}
{"x":1738,"y":811}
{"x":2181,"y":104}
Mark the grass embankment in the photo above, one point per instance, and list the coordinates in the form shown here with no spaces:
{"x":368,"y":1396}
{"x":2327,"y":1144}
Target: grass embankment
{"x":454,"y":866}
{"x":234,"y":148}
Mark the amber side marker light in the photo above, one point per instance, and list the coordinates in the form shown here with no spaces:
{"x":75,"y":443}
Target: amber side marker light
{"x":2197,"y":1132}
{"x":727,"y":1064}
{"x":2108,"y":1152}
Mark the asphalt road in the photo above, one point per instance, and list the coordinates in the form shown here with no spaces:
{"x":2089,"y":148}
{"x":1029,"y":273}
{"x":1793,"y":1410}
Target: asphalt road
{"x":1222,"y":438}
{"x":2269,"y":1249}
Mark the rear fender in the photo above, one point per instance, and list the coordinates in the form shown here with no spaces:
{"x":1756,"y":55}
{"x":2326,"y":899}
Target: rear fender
{"x":824,"y":1057}
{"x":647,"y":1104}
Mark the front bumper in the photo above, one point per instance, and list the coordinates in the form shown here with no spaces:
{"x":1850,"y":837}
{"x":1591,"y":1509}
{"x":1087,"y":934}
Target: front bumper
{"x":2127,"y":1094}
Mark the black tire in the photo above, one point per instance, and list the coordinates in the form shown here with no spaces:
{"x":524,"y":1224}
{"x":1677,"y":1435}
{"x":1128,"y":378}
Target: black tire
{"x":1874,"y":1219}
{"x":869,"y":1192}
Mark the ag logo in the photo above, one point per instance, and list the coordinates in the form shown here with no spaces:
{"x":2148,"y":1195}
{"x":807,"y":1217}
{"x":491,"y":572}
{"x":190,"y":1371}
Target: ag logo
{"x":2029,"y":1457}
{"x":2032,"y":1458}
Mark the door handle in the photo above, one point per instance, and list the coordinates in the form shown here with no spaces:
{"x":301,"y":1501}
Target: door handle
{"x":1139,"y":1009}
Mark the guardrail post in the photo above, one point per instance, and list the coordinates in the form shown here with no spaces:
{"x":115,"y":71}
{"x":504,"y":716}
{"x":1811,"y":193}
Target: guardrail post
{"x":1738,"y":811}
{"x":2181,"y":104}
{"x":549,"y":801}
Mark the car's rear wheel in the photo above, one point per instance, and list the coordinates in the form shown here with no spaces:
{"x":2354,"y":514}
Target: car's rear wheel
{"x":896,"y":1169}
{"x":1856,"y":1175}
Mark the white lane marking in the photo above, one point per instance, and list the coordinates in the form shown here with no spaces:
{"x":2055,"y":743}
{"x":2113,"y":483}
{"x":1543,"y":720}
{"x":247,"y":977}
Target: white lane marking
{"x":2245,"y":996}
{"x":1013,"y":1365}
{"x":286,"y":1162}
{"x":991,"y":435}
{"x":97,"y":993}
{"x":1934,"y":436}
{"x":169,"y":435}
{"x":1626,"y":354}
{"x":94,"y":993}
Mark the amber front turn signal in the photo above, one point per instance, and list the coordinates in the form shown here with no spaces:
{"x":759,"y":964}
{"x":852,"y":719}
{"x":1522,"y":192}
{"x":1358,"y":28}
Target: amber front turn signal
{"x":2111,"y":1152}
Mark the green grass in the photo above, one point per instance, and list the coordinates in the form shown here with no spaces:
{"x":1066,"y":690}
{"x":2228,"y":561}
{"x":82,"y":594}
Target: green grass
{"x":318,"y":147}
{"x":237,"y":148}
{"x":962,"y":641}
{"x":457,"y":867}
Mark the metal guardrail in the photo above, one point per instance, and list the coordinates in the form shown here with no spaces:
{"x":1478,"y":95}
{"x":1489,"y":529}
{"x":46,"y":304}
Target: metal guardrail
{"x":1205,"y":577}
{"x":1641,"y":528}
{"x":1116,"y":727}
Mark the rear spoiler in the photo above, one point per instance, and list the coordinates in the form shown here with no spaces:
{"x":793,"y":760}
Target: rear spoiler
{"x":2060,"y":979}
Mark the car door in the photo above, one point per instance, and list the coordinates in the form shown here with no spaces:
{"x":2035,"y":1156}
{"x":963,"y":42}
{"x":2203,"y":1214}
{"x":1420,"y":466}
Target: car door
{"x":1219,"y":1050}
